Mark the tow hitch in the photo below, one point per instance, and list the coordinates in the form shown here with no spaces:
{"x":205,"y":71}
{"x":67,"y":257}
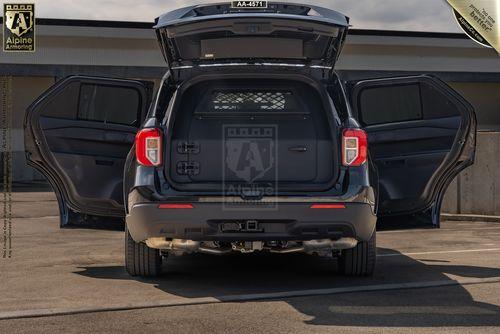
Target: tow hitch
{"x":247,"y":246}
{"x":241,"y":226}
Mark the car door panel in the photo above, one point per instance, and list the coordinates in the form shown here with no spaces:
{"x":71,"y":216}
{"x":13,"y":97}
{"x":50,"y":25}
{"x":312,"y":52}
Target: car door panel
{"x":82,"y":154}
{"x":87,"y":138}
{"x":90,"y":155}
{"x":423,"y":136}
{"x":418,"y":156}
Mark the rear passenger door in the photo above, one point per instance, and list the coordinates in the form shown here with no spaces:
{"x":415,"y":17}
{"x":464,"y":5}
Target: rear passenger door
{"x":78,"y":134}
{"x":421,"y":134}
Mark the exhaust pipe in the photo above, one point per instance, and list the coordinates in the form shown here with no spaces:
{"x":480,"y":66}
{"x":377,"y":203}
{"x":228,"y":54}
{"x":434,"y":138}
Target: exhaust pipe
{"x":158,"y":243}
{"x":191,"y":246}
{"x":183,"y":245}
{"x":344,"y":243}
{"x":319,"y":245}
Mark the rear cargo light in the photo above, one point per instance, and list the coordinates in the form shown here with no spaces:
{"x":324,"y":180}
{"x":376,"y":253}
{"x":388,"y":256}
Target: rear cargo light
{"x":148,"y":146}
{"x":328,"y":206}
{"x":176,"y":206}
{"x":354,"y":147}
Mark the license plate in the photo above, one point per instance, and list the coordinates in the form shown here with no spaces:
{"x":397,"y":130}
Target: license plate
{"x":249,"y":4}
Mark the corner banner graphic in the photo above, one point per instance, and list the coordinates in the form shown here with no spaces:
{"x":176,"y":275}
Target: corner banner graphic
{"x":480,"y":19}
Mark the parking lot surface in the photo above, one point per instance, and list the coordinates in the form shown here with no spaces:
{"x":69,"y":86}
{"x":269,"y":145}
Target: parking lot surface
{"x":73,"y":280}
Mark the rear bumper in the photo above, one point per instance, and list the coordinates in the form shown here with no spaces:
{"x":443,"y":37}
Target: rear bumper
{"x":276,"y":221}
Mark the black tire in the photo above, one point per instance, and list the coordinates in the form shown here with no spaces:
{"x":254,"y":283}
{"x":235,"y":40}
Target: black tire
{"x":140,"y":260}
{"x":360,"y":260}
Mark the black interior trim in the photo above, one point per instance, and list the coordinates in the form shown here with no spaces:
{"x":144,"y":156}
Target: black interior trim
{"x":283,"y":186}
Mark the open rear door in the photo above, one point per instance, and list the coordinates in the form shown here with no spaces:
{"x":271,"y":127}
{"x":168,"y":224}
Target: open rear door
{"x":78,"y":134}
{"x":421,"y":134}
{"x":214,"y":34}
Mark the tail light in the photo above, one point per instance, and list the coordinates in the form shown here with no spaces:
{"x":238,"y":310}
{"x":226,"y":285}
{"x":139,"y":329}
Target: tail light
{"x":176,"y":206}
{"x":148,"y":147}
{"x":328,"y":206}
{"x":354,"y":147}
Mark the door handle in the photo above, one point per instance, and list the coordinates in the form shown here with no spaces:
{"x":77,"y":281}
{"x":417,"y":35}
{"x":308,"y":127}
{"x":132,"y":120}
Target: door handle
{"x":298,"y":149}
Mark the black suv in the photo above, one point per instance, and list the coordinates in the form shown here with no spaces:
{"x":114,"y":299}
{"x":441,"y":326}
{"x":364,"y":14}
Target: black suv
{"x":251,"y":142}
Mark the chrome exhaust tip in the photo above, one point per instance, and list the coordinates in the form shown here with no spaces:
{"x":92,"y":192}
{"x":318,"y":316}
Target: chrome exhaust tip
{"x":319,"y":245}
{"x":191,"y":246}
{"x":183,"y":246}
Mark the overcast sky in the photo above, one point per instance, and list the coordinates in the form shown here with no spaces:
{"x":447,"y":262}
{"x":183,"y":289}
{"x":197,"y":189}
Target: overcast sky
{"x":415,"y":15}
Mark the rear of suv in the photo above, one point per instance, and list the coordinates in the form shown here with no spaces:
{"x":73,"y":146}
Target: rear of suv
{"x":252,"y":142}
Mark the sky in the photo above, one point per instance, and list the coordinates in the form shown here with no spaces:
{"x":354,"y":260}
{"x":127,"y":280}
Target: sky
{"x":410,"y":15}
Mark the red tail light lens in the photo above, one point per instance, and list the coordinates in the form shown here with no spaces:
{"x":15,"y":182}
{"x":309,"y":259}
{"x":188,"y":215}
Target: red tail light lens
{"x":148,"y":147}
{"x":328,"y":206}
{"x":176,"y":206}
{"x":354,"y":147}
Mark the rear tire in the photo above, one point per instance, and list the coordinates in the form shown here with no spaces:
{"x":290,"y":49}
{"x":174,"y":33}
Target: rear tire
{"x":360,"y":260}
{"x":140,"y":260}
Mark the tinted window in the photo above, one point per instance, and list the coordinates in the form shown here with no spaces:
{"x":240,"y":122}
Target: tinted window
{"x":401,"y":103}
{"x":64,"y":104}
{"x":109,"y":104}
{"x":435,"y":104}
{"x":387,"y":104}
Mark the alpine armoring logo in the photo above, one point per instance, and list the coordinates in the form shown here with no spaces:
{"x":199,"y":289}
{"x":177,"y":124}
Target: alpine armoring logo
{"x":250,"y":152}
{"x":250,"y":166}
{"x":19,"y":28}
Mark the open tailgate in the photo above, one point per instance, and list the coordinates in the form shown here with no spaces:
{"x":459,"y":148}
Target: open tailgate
{"x":280,"y":33}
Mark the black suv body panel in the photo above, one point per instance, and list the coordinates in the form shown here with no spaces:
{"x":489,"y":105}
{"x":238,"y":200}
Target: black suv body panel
{"x":276,"y":220}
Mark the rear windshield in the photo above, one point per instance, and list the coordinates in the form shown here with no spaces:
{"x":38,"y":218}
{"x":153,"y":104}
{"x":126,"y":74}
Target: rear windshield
{"x":251,"y":101}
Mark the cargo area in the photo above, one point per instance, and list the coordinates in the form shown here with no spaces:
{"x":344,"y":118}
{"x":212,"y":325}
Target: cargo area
{"x":268,"y":132}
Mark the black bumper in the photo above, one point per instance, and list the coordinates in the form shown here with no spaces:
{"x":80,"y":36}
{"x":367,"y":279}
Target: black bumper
{"x":277,"y":221}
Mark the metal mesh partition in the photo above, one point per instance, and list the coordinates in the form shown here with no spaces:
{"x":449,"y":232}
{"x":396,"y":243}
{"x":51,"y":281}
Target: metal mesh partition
{"x":252,"y":101}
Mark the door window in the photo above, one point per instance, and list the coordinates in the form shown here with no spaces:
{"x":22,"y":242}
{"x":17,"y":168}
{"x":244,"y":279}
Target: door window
{"x":386,"y":104}
{"x":402,"y":103}
{"x":109,"y":104}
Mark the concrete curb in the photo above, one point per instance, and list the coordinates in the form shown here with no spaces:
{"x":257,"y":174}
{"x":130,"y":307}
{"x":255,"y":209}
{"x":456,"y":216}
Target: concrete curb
{"x":470,"y":217}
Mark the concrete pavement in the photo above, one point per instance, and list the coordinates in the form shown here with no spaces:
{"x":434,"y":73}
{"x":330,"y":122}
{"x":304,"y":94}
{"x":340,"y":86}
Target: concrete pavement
{"x":453,"y":273}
